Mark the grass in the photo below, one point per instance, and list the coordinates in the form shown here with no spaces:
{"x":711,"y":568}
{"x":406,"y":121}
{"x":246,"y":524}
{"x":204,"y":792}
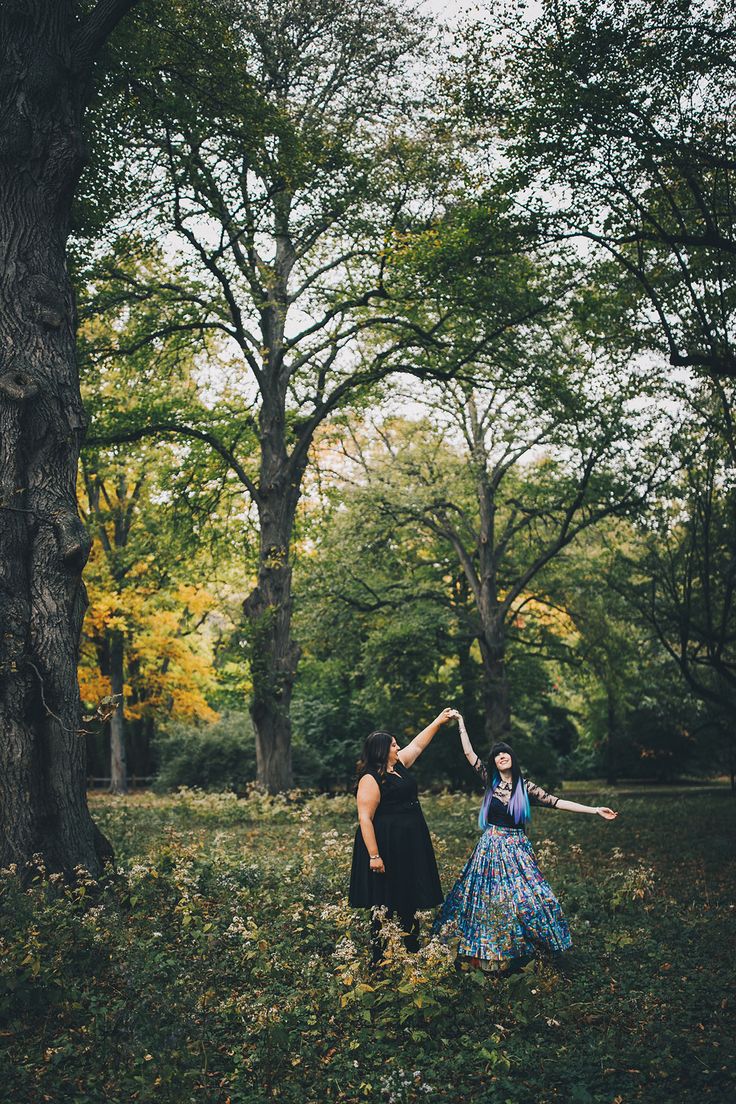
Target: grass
{"x":221,"y":964}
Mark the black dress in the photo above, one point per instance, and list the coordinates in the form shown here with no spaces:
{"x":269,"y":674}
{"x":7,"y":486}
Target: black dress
{"x":411,"y":880}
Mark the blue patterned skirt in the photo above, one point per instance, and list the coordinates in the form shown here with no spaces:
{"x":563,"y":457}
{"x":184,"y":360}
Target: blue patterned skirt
{"x":501,"y":907}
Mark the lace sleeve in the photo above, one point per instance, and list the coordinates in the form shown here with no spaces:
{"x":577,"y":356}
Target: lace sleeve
{"x":538,"y":796}
{"x":481,"y":771}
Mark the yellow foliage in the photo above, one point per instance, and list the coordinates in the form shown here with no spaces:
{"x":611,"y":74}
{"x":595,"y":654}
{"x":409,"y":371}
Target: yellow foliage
{"x":196,"y":599}
{"x":169,"y":668}
{"x":558,"y":621}
{"x":93,"y":686}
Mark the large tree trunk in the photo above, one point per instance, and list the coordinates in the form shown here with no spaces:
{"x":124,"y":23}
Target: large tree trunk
{"x":492,"y":639}
{"x":118,"y":759}
{"x":611,"y":736}
{"x":468,"y":672}
{"x":273,"y":654}
{"x":43,"y":544}
{"x":496,"y":699}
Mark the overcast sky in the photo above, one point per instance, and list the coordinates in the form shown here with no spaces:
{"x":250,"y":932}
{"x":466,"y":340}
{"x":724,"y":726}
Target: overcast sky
{"x":449,"y":10}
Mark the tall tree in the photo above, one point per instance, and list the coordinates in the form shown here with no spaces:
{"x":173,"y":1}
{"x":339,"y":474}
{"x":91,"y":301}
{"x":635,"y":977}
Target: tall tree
{"x":48,"y":50}
{"x":529,"y":474}
{"x":144,"y":637}
{"x":308,"y":153}
{"x":619,"y":117}
{"x":610,"y":642}
{"x":685,"y":577}
{"x":384,"y":622}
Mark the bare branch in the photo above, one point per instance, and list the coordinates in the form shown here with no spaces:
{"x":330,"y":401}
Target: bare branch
{"x":176,"y":430}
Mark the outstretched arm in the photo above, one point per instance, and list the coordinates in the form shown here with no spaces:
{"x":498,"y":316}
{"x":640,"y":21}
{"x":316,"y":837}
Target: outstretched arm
{"x":538,"y":796}
{"x":412,"y":751}
{"x":576,"y":807}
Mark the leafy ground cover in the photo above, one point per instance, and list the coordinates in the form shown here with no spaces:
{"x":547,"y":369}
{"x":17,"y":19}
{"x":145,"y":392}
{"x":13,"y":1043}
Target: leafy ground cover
{"x":221,"y":963}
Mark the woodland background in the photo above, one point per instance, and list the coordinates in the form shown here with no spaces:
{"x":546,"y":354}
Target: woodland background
{"x":353,"y":365}
{"x":440,"y":322}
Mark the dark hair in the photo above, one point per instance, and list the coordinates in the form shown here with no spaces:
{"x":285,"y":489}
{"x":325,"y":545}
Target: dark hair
{"x":375,"y":753}
{"x":518,"y":805}
{"x":496,"y":749}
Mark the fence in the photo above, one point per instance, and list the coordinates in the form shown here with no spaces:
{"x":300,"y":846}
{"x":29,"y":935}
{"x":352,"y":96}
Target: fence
{"x":134,"y":781}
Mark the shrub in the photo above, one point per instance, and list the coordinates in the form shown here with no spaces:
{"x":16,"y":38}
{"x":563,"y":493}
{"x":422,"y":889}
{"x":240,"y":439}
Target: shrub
{"x":220,"y":756}
{"x":583,"y":762}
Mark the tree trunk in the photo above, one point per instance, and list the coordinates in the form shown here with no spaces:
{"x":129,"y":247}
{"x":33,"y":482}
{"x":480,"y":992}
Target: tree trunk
{"x":611,"y":736}
{"x":496,"y":697}
{"x":118,"y":760}
{"x":43,"y":544}
{"x":468,"y":672}
{"x":273,"y":654}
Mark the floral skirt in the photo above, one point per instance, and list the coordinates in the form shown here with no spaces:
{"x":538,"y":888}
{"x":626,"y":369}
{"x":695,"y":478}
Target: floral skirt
{"x":501,"y":907}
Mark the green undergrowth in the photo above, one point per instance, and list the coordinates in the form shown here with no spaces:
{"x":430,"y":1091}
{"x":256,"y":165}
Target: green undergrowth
{"x":220,"y":963}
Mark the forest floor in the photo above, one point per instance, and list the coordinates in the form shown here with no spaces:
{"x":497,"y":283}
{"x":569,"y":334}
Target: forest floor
{"x":220,"y":963}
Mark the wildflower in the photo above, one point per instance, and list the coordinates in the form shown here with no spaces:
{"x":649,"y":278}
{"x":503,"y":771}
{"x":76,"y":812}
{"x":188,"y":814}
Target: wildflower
{"x":345,"y":951}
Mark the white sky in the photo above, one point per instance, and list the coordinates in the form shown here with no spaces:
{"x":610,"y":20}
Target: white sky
{"x":450,"y":11}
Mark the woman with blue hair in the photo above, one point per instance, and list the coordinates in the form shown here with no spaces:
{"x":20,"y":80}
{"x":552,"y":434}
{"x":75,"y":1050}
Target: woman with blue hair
{"x":501,"y":907}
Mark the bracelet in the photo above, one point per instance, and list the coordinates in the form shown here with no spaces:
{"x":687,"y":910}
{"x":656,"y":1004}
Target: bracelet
{"x":372,"y":857}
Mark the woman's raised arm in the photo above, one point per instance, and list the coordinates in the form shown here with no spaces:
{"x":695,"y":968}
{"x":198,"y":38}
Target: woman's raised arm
{"x":413,"y":750}
{"x":465,"y":740}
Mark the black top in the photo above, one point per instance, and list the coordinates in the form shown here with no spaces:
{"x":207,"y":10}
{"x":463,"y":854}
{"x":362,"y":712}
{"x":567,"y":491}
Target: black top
{"x":398,"y":790}
{"x":498,"y":813}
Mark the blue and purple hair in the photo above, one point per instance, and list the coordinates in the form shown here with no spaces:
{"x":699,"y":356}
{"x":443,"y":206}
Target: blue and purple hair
{"x":518,"y":805}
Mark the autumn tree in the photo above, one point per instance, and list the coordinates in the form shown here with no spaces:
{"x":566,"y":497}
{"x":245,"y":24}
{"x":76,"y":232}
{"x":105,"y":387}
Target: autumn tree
{"x":152,"y":588}
{"x":48,"y":53}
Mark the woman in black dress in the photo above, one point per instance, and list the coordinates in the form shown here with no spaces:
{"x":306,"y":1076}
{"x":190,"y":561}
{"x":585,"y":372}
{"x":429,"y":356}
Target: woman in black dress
{"x":393,"y":859}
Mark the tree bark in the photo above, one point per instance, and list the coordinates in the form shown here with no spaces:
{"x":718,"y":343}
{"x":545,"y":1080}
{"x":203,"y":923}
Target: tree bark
{"x":611,"y":735}
{"x":496,"y":699}
{"x":274,"y":655}
{"x":118,"y":758}
{"x":43,"y":544}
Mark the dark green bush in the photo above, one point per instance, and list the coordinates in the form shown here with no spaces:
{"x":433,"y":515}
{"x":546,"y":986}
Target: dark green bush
{"x":220,"y":756}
